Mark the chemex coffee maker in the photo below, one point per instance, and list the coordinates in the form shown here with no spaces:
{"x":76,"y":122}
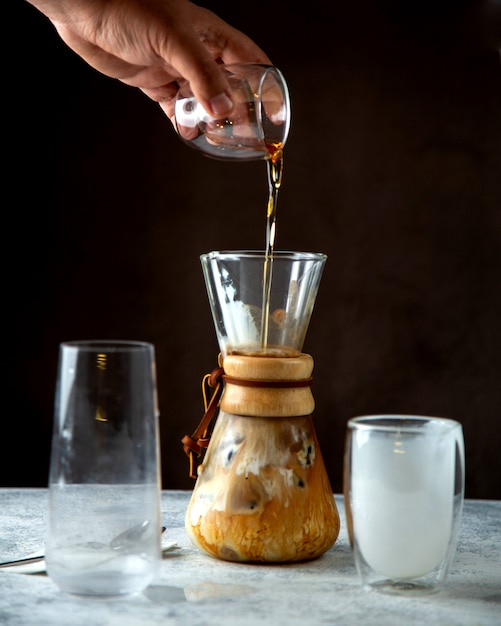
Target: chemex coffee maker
{"x":262,"y":493}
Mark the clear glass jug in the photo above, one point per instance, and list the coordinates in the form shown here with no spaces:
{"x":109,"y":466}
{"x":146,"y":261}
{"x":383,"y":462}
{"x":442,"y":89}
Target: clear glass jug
{"x":262,"y":492}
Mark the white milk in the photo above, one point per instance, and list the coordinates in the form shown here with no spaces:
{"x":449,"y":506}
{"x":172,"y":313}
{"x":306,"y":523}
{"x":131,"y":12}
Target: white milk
{"x":402,"y":500}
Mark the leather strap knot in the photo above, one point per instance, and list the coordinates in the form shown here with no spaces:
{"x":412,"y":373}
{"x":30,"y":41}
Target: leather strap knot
{"x":199,"y":440}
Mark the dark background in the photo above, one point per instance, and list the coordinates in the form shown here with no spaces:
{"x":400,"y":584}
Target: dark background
{"x":392,"y":168}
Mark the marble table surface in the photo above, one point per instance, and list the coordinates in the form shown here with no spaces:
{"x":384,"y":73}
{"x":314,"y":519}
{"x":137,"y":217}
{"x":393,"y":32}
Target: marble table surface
{"x":194,"y":589}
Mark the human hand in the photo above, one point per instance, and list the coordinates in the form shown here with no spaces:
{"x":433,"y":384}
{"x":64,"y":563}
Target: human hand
{"x":155,"y":45}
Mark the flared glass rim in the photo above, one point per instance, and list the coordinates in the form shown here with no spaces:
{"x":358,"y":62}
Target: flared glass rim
{"x":91,"y":345}
{"x":402,"y":423}
{"x":261,"y":254}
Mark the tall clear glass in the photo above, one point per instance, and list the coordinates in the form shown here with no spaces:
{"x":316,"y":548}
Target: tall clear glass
{"x":104,"y":524}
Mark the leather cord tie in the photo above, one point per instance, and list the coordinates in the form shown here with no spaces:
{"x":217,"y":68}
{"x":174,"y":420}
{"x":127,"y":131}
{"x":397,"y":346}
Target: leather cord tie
{"x":270,"y":384}
{"x":199,"y":440}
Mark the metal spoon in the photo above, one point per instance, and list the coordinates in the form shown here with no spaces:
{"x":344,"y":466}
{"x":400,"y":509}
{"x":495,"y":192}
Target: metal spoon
{"x":117,"y":543}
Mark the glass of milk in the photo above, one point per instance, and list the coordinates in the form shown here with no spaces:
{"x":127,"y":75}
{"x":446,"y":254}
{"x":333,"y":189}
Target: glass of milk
{"x":404,"y":491}
{"x":104,"y":526}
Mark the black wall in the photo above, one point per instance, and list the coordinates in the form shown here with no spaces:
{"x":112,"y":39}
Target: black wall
{"x":393,"y":169}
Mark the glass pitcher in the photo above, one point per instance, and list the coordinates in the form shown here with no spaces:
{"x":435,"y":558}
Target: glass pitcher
{"x":262,"y":492}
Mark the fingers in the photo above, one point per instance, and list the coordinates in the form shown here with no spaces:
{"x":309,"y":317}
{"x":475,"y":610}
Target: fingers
{"x":199,"y":51}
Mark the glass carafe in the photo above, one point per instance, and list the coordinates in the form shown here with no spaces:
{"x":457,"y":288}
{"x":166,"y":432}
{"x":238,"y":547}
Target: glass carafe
{"x":262,"y":492}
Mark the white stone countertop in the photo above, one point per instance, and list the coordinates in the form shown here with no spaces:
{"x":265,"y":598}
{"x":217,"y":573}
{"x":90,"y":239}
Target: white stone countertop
{"x":194,"y":589}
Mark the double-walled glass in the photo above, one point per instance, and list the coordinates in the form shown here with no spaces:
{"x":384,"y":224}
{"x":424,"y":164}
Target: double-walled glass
{"x":404,"y":489}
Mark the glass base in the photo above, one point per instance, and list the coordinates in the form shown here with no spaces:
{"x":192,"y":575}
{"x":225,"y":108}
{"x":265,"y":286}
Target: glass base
{"x":404,"y":587}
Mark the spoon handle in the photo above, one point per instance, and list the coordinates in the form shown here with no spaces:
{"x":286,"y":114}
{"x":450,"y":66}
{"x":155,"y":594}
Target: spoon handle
{"x":33,"y":559}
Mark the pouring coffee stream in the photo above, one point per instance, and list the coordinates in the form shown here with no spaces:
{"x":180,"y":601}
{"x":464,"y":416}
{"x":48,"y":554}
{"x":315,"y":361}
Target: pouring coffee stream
{"x":274,"y":165}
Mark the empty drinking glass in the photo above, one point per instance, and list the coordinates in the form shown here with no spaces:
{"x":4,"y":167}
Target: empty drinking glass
{"x":104,"y":524}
